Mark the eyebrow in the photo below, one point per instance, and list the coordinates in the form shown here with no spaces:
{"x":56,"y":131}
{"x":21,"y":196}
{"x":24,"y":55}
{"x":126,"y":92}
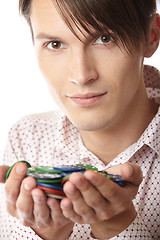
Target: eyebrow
{"x":46,"y":36}
{"x":43,"y":35}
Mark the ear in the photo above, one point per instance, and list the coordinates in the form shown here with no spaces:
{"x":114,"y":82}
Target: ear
{"x":154,"y":37}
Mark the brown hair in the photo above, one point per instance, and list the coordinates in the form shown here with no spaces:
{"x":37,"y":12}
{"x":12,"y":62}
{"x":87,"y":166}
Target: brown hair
{"x":127,"y":19}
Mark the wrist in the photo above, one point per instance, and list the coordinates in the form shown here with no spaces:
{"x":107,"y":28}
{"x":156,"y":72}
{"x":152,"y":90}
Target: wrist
{"x":114,"y":226}
{"x":61,"y":233}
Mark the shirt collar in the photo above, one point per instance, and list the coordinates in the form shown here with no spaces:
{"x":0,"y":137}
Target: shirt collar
{"x":151,"y":136}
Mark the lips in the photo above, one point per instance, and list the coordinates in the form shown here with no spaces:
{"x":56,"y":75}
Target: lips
{"x":86,"y":99}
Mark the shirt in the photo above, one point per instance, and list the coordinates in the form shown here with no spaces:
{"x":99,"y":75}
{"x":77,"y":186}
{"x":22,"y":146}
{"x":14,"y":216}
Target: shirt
{"x":50,"y":138}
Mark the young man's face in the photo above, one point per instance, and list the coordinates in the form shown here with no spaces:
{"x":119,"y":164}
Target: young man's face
{"x":94,"y":82}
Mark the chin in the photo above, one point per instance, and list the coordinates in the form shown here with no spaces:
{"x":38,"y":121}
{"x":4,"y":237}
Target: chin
{"x":89,"y":125}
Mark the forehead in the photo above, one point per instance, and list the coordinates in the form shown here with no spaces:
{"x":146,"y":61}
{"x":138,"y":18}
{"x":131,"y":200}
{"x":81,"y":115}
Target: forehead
{"x":43,"y":13}
{"x":45,"y":18}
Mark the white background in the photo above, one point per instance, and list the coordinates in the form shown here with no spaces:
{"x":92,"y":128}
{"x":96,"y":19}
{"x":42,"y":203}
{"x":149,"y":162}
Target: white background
{"x":22,"y":88}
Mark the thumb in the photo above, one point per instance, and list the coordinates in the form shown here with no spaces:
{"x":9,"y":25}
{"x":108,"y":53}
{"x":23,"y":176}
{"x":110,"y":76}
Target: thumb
{"x":3,"y":171}
{"x":130,"y":172}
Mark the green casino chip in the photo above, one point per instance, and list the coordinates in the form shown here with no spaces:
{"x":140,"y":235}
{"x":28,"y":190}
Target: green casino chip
{"x":31,"y":170}
{"x":106,"y":175}
{"x":10,"y":169}
{"x":47,"y":169}
{"x":87,"y":167}
{"x":50,"y":181}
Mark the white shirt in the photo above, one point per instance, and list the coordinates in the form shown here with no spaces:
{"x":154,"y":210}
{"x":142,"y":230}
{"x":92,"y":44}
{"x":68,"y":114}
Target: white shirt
{"x":50,"y":138}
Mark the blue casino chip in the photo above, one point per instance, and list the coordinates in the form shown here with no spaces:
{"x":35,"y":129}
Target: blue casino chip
{"x":50,"y":186}
{"x":69,"y":168}
{"x":115,"y":178}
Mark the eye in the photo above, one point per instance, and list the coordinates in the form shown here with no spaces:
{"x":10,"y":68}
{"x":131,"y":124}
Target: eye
{"x":54,"y":45}
{"x":105,"y":39}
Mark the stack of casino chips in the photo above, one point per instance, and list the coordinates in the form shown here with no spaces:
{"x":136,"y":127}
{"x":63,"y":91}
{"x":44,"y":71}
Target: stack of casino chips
{"x":52,"y":178}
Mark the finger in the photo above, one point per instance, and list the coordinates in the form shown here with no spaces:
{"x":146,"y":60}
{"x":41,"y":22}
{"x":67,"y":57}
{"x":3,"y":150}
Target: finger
{"x":3,"y":171}
{"x":105,"y":186}
{"x":12,"y":186}
{"x":25,"y":203}
{"x":129,"y":171}
{"x":13,"y":183}
{"x":68,"y":211}
{"x":132,"y":173}
{"x":56,"y":213}
{"x":41,"y":210}
{"x":119,"y":197}
{"x":101,"y":207}
{"x":82,"y":200}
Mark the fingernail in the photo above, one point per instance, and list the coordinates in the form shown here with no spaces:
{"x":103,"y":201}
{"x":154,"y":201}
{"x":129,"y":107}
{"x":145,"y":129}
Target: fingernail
{"x":80,"y":182}
{"x":52,"y":205}
{"x":20,"y":170}
{"x":71,"y":191}
{"x":130,"y":169}
{"x":38,"y":199}
{"x":27,"y":187}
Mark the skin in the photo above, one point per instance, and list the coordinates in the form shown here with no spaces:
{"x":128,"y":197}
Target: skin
{"x":89,"y":66}
{"x":28,"y":204}
{"x":76,"y":67}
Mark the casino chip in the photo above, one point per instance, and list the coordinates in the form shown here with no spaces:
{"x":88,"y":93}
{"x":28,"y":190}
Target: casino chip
{"x":45,"y":176}
{"x":69,"y":168}
{"x":51,"y":179}
{"x":47,"y":169}
{"x":88,"y":167}
{"x":55,"y":196}
{"x":10,"y":169}
{"x":50,"y":186}
{"x":115,"y":178}
{"x":51,"y":191}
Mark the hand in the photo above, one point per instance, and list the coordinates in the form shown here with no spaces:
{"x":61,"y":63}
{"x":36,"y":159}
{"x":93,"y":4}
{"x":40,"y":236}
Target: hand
{"x":3,"y":171}
{"x":30,"y":205}
{"x":93,"y":198}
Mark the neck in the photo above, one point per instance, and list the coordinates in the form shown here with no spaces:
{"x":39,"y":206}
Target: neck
{"x":107,"y":143}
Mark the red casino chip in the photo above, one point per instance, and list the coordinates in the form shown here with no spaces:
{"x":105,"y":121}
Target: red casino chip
{"x":52,"y":191}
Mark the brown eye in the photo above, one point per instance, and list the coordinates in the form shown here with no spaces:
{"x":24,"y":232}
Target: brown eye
{"x":105,"y":39}
{"x":55,"y":45}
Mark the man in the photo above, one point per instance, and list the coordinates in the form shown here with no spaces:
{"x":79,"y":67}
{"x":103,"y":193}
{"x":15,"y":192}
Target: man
{"x":92,"y":58}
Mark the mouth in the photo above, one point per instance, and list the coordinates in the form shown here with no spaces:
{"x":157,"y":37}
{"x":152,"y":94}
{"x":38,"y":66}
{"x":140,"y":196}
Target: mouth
{"x":88,"y":99}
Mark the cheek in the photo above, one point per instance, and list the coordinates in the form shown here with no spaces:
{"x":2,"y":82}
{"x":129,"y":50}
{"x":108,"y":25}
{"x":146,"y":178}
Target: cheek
{"x":46,"y":66}
{"x":127,"y":70}
{"x":125,"y":75}
{"x":52,"y":74}
{"x":52,"y":70}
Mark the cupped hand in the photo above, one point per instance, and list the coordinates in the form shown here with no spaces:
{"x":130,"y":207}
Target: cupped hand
{"x":92,"y":198}
{"x":29,"y":204}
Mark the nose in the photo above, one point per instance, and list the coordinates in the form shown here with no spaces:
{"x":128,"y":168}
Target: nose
{"x":82,"y":68}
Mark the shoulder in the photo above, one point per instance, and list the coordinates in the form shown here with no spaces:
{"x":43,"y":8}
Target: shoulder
{"x":38,"y":122}
{"x":151,"y":76}
{"x":34,"y":138}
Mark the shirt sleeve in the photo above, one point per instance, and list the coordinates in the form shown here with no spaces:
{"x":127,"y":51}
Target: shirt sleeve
{"x":10,"y":227}
{"x":136,"y":230}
